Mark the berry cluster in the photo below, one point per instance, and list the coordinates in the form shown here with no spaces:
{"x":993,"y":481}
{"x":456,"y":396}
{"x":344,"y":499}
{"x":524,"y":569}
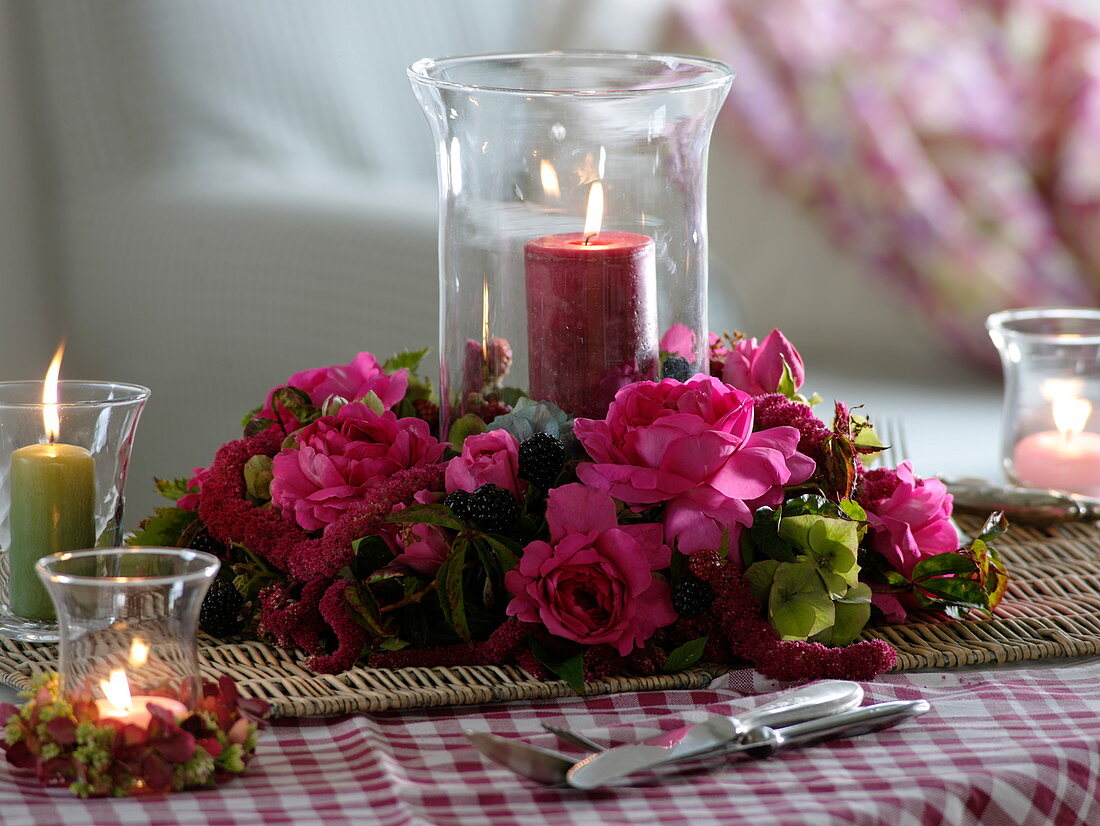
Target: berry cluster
{"x":676,"y":367}
{"x":489,"y":507}
{"x":220,"y":614}
{"x":540,"y":459}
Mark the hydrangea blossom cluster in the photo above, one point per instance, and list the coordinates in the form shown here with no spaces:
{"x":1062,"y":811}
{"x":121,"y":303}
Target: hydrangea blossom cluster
{"x":639,"y":541}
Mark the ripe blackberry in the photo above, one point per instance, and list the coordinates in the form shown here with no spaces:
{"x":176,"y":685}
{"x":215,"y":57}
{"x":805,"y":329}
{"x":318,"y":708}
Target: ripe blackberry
{"x":459,"y":503}
{"x":691,"y":596}
{"x":203,"y":541}
{"x":540,"y":459}
{"x":490,"y":410}
{"x":676,"y":367}
{"x":220,"y":614}
{"x":492,"y":508}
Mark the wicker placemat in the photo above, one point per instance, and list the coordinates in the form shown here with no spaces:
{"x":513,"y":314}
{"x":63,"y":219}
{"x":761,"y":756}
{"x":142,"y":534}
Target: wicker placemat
{"x":1052,"y":609}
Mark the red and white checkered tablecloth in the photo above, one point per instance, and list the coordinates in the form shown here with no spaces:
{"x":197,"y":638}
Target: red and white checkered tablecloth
{"x":1007,"y":746}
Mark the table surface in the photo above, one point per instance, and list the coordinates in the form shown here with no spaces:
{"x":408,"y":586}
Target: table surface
{"x":1006,"y":745}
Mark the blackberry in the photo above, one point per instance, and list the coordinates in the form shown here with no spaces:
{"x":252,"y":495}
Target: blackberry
{"x":691,"y":596}
{"x":203,"y":541}
{"x":459,"y":502}
{"x":676,"y":367}
{"x":540,"y":459}
{"x":492,"y":508}
{"x":220,"y":614}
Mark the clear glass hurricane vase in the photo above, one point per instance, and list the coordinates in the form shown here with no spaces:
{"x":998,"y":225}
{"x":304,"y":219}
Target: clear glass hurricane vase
{"x":1050,"y":423}
{"x":129,"y":616}
{"x":573,"y":237}
{"x":63,"y":471}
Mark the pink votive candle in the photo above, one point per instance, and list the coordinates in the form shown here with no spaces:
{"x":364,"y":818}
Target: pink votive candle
{"x":1063,"y":461}
{"x":591,"y":317}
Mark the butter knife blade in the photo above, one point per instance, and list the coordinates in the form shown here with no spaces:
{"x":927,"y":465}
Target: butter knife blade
{"x":1033,"y":506}
{"x":614,"y":764}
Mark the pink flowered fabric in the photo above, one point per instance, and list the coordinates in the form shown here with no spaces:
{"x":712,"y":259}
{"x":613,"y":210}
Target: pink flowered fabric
{"x":949,"y":145}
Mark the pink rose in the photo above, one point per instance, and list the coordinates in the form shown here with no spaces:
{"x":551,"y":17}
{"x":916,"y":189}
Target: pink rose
{"x":420,"y":548}
{"x":758,"y":368}
{"x":487,"y":458}
{"x":691,"y":445}
{"x":354,"y":380}
{"x":593,"y":581}
{"x":679,"y":340}
{"x":338,"y":458}
{"x":913,"y":521}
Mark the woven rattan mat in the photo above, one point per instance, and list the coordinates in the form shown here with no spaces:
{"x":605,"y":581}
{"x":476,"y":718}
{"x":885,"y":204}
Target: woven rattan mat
{"x":1052,"y":609}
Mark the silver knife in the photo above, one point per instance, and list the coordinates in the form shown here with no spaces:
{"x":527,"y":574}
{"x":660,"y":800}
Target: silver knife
{"x":810,"y":701}
{"x":604,"y":768}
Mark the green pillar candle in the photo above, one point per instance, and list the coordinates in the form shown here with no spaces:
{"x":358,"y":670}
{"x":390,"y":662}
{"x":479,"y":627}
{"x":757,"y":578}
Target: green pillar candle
{"x":52,"y":510}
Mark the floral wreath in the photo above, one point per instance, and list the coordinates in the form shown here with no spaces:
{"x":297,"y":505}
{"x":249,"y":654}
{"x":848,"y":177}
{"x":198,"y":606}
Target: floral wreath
{"x":709,"y":517}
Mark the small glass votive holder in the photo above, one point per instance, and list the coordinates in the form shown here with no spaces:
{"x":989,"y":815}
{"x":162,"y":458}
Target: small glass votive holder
{"x":62,"y":476}
{"x":129,"y":620}
{"x":1050,"y":430}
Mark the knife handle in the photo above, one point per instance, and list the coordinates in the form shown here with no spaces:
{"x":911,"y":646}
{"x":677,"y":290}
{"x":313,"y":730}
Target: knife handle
{"x":851,"y":723}
{"x":818,"y":699}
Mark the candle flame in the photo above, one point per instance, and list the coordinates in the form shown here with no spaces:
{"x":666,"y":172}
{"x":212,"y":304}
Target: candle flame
{"x":51,"y":421}
{"x":139,"y":652}
{"x":549,"y":177}
{"x":117,"y":689}
{"x":485,"y":318}
{"x":594,"y":217}
{"x":1070,"y":415}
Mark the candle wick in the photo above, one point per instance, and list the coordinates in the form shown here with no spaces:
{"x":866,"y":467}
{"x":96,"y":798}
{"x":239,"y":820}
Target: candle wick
{"x":588,"y":238}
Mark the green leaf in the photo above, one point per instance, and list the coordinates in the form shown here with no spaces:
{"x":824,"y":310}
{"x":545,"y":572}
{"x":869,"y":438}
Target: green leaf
{"x":449,"y":584}
{"x":407,"y":360}
{"x":393,"y":644}
{"x":685,"y":656}
{"x":799,"y":605}
{"x":468,"y":425}
{"x":250,"y":415}
{"x":760,"y":576}
{"x":853,"y":510}
{"x":994,"y":526}
{"x":570,"y":670}
{"x":950,"y":562}
{"x":786,"y":381}
{"x":426,"y":515}
{"x":371,"y":553}
{"x":365,"y":611}
{"x":172,"y":488}
{"x":165,"y":528}
{"x":507,"y":552}
{"x":960,"y":592}
{"x":763,"y":539}
{"x":852,"y":613}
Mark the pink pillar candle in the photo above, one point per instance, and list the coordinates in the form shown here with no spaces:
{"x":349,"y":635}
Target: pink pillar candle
{"x":1050,"y":459}
{"x":591,"y":317}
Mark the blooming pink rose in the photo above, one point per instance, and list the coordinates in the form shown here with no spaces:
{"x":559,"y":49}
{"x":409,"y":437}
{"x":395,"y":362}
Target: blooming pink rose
{"x":593,"y":581}
{"x":758,"y":368}
{"x":691,"y":445}
{"x":487,"y":458}
{"x":338,"y":458}
{"x":420,"y":548}
{"x":352,"y":381}
{"x":913,"y":522}
{"x":679,"y":340}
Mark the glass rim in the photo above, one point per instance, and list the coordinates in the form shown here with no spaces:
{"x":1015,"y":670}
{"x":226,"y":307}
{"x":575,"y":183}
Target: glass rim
{"x":720,"y":73}
{"x":135,"y":393}
{"x":1004,"y":322}
{"x":209,"y":569}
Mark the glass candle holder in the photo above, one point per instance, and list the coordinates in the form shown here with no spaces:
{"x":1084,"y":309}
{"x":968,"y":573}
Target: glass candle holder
{"x":1050,"y":431}
{"x":573,"y":237}
{"x":128,"y":619}
{"x":62,"y":477}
